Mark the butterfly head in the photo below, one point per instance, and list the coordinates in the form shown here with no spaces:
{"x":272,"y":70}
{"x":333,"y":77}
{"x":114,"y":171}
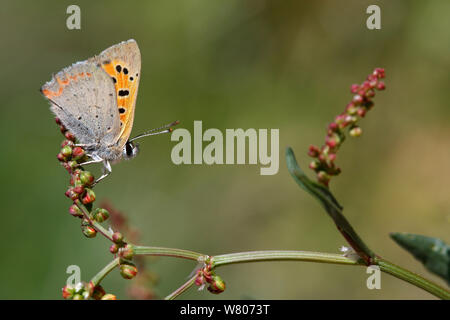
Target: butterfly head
{"x":130,"y":150}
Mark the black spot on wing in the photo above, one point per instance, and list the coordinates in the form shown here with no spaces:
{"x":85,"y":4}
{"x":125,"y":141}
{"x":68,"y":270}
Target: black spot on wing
{"x":123,"y":93}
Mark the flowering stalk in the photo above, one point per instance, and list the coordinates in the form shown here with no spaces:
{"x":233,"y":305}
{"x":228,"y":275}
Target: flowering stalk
{"x":324,"y":163}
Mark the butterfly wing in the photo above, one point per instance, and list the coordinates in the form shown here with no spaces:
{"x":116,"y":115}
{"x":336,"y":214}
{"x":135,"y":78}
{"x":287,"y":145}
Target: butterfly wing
{"x":83,"y":97}
{"x":122,"y":62}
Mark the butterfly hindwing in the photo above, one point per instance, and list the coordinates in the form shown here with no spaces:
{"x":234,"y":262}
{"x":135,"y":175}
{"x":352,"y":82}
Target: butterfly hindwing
{"x":83,"y":97}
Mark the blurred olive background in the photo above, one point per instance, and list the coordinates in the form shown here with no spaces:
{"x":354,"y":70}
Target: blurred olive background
{"x":232,"y":64}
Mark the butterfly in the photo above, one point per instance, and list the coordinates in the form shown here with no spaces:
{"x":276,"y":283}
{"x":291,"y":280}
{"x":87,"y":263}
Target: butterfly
{"x":95,"y":99}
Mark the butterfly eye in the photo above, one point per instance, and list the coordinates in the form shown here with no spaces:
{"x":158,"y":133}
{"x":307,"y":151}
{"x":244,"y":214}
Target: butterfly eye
{"x":130,"y":150}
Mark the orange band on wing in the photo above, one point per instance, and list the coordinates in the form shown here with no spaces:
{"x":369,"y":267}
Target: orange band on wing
{"x":62,"y":84}
{"x":126,"y":86}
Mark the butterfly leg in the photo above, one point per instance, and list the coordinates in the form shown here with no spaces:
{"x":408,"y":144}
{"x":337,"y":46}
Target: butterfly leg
{"x":95,"y":159}
{"x":106,"y":171}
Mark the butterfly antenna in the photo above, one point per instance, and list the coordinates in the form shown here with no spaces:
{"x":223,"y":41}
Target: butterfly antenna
{"x":164,"y":129}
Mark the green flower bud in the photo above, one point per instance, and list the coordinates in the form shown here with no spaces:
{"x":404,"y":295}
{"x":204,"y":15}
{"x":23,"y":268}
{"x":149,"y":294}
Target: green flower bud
{"x":66,"y":151}
{"x":87,"y":229}
{"x":86,"y":178}
{"x":127,"y":252}
{"x":217,"y":285}
{"x":101,"y":215}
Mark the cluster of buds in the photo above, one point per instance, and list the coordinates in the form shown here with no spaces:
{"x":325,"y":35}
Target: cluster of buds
{"x":84,"y":291}
{"x":324,"y":162}
{"x":206,"y":275}
{"x":81,"y":183}
{"x":125,"y":251}
{"x":81,"y":194}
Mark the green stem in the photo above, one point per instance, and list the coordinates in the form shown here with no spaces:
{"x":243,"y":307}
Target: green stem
{"x":181,"y":289}
{"x":413,"y":278}
{"x":167,"y":252}
{"x":290,"y":255}
{"x":107,"y":269}
{"x":282,"y":255}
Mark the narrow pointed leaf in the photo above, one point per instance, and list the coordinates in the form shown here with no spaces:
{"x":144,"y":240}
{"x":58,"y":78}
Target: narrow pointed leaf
{"x":432,"y":252}
{"x":331,"y":205}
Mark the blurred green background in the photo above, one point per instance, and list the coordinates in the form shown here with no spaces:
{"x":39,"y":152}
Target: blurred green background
{"x":232,"y":64}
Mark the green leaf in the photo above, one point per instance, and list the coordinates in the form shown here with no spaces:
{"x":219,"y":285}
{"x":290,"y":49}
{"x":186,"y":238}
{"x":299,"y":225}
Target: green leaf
{"x":432,"y":252}
{"x":331,"y":205}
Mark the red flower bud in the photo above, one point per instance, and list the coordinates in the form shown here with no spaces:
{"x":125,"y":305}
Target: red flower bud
{"x":78,"y":153}
{"x":75,"y":211}
{"x":114,"y":248}
{"x":361,"y":112}
{"x":358,"y":99}
{"x":354,"y":88}
{"x":61,"y":157}
{"x":71,"y":194}
{"x":117,"y":237}
{"x":313,"y":151}
{"x":67,"y":143}
{"x":78,"y":189}
{"x":379,"y":72}
{"x":69,"y":136}
{"x":98,"y":293}
{"x":128,"y":271}
{"x":68,"y":292}
{"x":88,"y":197}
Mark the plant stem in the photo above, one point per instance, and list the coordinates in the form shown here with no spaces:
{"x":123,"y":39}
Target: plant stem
{"x":167,"y":252}
{"x":290,"y":255}
{"x":282,"y":255}
{"x":181,"y":289}
{"x":107,"y":269}
{"x":413,"y":278}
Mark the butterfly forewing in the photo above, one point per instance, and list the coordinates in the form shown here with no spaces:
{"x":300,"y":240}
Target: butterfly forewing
{"x":122,"y":62}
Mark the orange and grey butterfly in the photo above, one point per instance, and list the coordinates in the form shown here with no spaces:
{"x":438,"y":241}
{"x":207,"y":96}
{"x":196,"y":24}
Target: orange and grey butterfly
{"x":95,"y":100}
